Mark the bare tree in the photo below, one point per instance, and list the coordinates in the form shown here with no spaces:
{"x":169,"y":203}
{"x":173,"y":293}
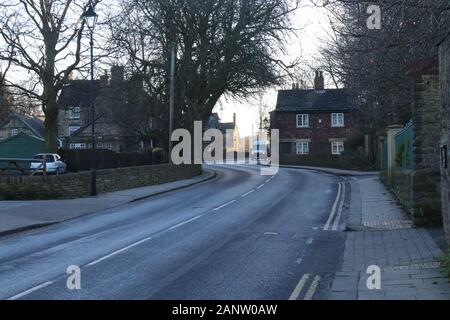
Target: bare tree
{"x":42,"y":40}
{"x":223,"y":47}
{"x":373,"y":64}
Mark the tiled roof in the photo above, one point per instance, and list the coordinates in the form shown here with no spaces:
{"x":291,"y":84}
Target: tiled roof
{"x":35,"y":125}
{"x":312,"y":100}
{"x":77,"y":93}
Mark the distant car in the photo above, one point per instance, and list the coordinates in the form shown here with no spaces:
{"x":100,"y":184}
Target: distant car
{"x":260,"y":148}
{"x":53,"y":163}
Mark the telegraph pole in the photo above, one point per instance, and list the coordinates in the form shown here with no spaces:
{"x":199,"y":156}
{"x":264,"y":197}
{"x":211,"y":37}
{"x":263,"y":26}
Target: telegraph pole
{"x":172,"y":97}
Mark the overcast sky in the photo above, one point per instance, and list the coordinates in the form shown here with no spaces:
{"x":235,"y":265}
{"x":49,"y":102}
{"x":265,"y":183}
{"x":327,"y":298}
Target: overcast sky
{"x":313,"y":23}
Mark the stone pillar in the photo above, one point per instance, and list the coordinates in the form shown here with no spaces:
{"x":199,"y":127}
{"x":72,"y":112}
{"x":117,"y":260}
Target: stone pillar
{"x":391,"y":131}
{"x":444,"y":70}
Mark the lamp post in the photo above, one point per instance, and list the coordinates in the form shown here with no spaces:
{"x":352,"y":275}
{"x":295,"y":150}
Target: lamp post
{"x":90,"y":17}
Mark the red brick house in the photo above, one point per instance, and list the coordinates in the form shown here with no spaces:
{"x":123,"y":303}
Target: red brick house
{"x":316,"y":122}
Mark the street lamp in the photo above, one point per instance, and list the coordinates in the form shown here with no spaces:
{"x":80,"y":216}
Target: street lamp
{"x":90,"y":17}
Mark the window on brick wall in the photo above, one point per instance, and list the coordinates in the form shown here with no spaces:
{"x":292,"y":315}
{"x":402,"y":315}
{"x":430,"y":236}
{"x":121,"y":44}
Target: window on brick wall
{"x":302,"y":147}
{"x":337,"y":119}
{"x":337,"y":147}
{"x":302,"y":120}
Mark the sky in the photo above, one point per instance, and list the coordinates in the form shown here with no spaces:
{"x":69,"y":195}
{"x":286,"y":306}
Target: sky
{"x":313,"y":23}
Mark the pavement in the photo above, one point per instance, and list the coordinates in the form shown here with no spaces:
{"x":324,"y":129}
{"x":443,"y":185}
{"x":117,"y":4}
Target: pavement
{"x":16,"y":216}
{"x":380,"y":233}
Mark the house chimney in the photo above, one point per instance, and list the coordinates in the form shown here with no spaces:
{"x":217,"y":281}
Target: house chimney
{"x":104,"y":80}
{"x":117,"y":75}
{"x":234,"y":119}
{"x":319,"y":82}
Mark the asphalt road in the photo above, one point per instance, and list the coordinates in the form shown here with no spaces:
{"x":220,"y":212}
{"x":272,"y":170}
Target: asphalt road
{"x":238,"y":236}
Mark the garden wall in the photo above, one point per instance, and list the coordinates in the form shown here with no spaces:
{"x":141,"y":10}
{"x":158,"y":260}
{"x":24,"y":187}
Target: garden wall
{"x":74,"y":185}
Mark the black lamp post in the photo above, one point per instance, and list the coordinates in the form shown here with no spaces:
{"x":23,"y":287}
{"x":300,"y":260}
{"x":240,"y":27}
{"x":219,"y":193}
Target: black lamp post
{"x":90,"y":17}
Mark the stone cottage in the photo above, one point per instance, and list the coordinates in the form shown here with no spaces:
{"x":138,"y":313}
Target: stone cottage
{"x":75,"y":118}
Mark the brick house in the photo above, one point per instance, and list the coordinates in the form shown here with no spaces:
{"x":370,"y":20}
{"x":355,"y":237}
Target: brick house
{"x":74,"y":118}
{"x":316,"y":122}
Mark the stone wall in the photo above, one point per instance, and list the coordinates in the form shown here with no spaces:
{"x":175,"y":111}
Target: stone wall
{"x":426,"y":179}
{"x":74,"y":185}
{"x":444,"y":68}
{"x":419,"y":189}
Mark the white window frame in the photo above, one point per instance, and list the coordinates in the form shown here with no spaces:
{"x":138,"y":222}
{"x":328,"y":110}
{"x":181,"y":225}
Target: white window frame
{"x":337,"y":119}
{"x":14,"y":132}
{"x":337,"y":147}
{"x":73,"y":129}
{"x":77,"y":146}
{"x":302,"y":120}
{"x":74,"y":113}
{"x":108,"y":146}
{"x":302,"y":148}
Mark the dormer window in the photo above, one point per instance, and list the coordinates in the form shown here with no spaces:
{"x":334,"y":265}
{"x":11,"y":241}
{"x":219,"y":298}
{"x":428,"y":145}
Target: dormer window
{"x":74,"y":113}
{"x":337,"y":119}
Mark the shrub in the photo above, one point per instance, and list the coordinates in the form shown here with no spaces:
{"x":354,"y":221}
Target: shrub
{"x":445,"y":262}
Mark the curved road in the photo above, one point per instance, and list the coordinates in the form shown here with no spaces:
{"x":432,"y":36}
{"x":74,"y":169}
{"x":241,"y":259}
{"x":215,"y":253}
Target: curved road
{"x":239,"y":236}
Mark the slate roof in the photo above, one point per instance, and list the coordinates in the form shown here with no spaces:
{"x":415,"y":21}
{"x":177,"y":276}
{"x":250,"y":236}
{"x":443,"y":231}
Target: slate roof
{"x":312,"y":100}
{"x":35,"y":125}
{"x":77,"y":93}
{"x":214,"y":123}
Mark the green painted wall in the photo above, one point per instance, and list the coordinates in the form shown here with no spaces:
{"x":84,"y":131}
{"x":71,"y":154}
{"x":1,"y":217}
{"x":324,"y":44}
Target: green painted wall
{"x":21,"y":146}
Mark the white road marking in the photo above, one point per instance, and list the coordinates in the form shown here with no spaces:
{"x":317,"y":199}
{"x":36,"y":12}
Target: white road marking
{"x":246,"y":194}
{"x":312,"y":289}
{"x":27,"y":292}
{"x":119,"y":251}
{"x":333,"y":210}
{"x":185,"y":222}
{"x":267,"y":181}
{"x":341,"y":205}
{"x":309,"y":241}
{"x":112,"y":254}
{"x":224,"y":205}
{"x":260,"y":186}
{"x":299,"y":287}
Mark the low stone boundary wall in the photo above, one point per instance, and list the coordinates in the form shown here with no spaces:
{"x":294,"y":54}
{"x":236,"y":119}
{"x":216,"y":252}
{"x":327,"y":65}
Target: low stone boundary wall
{"x":419,"y":193}
{"x":75,"y":185}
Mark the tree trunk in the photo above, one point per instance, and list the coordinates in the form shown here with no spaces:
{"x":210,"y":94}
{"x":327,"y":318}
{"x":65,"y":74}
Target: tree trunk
{"x":51,"y":126}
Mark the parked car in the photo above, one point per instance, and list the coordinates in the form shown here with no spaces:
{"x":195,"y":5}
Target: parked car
{"x":53,"y":163}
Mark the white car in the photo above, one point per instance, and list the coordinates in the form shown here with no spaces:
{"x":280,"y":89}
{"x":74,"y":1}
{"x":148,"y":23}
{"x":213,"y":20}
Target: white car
{"x":53,"y":163}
